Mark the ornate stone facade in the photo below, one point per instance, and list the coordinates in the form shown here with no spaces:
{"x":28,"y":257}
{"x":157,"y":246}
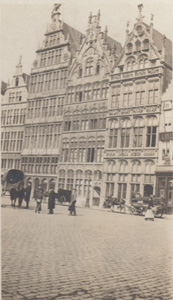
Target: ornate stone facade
{"x":94,"y":110}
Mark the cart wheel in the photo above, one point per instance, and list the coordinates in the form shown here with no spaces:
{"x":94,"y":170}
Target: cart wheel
{"x":158,"y":215}
{"x":62,"y":199}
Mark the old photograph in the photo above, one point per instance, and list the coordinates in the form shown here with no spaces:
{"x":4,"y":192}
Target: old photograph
{"x":86,"y":150}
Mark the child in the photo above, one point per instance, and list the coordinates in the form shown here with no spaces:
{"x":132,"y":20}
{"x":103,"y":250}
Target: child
{"x":38,"y":198}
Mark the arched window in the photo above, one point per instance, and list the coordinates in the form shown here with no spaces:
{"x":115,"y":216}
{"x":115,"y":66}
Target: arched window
{"x":131,"y":64}
{"x":87,"y":182}
{"x":123,"y":166}
{"x":80,"y":72}
{"x":138,"y":132}
{"x":98,"y":68}
{"x":143,"y":62}
{"x":17,"y":81}
{"x":78,"y":183}
{"x":138,"y":45}
{"x":152,"y":124}
{"x":146,"y":44}
{"x":97,"y":175}
{"x":149,"y":172}
{"x":136,"y":166}
{"x":129,"y":47}
{"x":125,"y":133}
{"x":70,"y":179}
{"x":89,"y":66}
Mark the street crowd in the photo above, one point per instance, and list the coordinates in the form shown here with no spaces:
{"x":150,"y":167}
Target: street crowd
{"x":22,"y":193}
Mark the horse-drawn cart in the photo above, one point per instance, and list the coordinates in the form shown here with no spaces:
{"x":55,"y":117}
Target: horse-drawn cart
{"x":140,"y":204}
{"x":63,"y":196}
{"x":112,"y":202}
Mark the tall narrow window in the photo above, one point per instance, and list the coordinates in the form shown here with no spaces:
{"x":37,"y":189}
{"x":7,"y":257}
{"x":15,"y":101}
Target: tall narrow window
{"x":89,"y":66}
{"x":98,"y":69}
{"x":17,"y":81}
{"x":151,"y":136}
{"x":115,"y":96}
{"x":153,"y":93}
{"x":127,"y":95}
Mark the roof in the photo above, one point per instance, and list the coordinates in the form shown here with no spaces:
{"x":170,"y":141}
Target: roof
{"x":113,"y":43}
{"x":158,"y":41}
{"x":74,"y":37}
{"x":26,"y":78}
{"x":3,"y":87}
{"x":168,"y":95}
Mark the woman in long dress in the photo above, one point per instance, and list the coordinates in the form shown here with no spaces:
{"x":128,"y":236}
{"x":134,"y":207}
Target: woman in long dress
{"x":149,"y":215}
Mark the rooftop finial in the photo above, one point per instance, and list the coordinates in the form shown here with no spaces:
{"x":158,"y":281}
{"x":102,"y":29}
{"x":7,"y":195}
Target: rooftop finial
{"x":152,"y":17}
{"x":20,"y":59}
{"x":140,"y":7}
{"x":163,"y":40}
{"x":55,"y":10}
{"x":90,"y":17}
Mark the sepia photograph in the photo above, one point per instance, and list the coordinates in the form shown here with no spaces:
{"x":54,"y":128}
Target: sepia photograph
{"x":86,"y":150}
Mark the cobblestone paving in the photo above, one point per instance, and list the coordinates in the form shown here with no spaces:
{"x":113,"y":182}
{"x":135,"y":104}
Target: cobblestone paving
{"x":96,"y":255}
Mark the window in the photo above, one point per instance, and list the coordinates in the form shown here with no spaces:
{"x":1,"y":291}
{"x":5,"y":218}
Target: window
{"x":17,"y":81}
{"x":80,"y":96}
{"x":93,"y":124}
{"x":98,"y":69}
{"x":165,"y":153}
{"x":67,"y":126}
{"x":99,"y":149}
{"x":138,"y":45}
{"x":70,"y":179}
{"x":115,"y":96}
{"x":80,"y":72}
{"x":122,"y":189}
{"x":140,"y":93}
{"x":90,"y":154}
{"x":87,"y":183}
{"x":125,"y":134}
{"x":127,"y":95}
{"x":151,"y":136}
{"x":78,"y":183}
{"x":131,"y":64}
{"x":129,"y":47}
{"x":153,"y":93}
{"x":135,"y":188}
{"x":61,"y":183}
{"x":145,"y":44}
{"x":113,"y":134}
{"x":89,"y":66}
{"x":110,"y":184}
{"x":143,"y":62}
{"x":149,"y":172}
{"x":65,"y":150}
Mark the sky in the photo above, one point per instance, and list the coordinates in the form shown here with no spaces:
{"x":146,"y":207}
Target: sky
{"x":24,"y":22}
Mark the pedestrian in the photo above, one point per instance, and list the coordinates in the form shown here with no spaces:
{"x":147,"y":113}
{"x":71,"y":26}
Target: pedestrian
{"x":38,"y":197}
{"x":28,"y":194}
{"x":13,"y":196}
{"x":51,"y":201}
{"x":149,"y":215}
{"x":72,"y":207}
{"x":20,"y":195}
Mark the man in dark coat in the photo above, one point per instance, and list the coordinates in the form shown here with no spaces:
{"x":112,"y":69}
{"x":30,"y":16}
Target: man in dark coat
{"x":13,"y":196}
{"x":51,"y":201}
{"x":20,"y":194}
{"x":27,"y":194}
{"x":72,"y":207}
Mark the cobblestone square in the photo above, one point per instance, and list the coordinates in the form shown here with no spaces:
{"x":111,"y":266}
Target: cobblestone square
{"x":97,"y":255}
